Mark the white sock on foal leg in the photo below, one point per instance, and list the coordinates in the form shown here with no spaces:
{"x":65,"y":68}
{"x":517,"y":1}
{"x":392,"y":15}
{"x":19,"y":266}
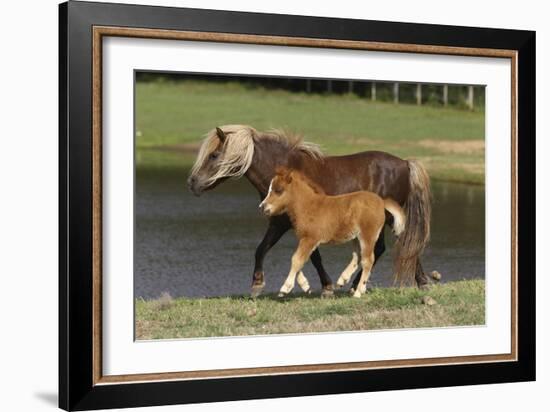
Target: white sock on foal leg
{"x":348,"y":271}
{"x":303,"y":282}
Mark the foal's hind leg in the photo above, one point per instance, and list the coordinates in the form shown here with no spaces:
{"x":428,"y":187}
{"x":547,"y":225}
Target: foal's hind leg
{"x":367,"y":261}
{"x":379,"y":249}
{"x":305,"y":247}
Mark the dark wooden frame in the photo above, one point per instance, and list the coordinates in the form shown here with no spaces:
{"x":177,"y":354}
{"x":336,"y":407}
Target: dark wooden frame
{"x":81,"y":28}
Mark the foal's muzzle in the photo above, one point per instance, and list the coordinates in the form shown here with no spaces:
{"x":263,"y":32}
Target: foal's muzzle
{"x":265,"y":208}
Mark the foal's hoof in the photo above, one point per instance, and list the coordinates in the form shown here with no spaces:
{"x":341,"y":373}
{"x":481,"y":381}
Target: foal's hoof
{"x":257,"y":290}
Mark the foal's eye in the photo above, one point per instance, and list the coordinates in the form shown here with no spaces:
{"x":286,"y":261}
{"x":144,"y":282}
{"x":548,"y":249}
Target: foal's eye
{"x":278,"y":191}
{"x":214,"y":156}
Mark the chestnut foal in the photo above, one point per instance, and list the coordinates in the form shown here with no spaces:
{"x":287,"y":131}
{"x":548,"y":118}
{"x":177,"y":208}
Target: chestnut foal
{"x":319,"y":219}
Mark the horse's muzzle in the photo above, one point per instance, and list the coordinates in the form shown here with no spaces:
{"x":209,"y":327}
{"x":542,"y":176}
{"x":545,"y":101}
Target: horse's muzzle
{"x":192,"y":186}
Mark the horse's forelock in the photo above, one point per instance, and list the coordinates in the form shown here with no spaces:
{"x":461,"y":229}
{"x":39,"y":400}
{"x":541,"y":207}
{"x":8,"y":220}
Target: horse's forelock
{"x":209,"y":144}
{"x":236,"y":154}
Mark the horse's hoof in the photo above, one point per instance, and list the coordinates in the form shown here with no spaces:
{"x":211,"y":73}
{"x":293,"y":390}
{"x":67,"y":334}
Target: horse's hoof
{"x":425,"y":286}
{"x":327,"y":293}
{"x":356,"y":294}
{"x":281,"y":295}
{"x":308,"y":292}
{"x":351,"y":290}
{"x":257,"y":290}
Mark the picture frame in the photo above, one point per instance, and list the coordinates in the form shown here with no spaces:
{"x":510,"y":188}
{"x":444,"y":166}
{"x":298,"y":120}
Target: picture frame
{"x":83,"y":27}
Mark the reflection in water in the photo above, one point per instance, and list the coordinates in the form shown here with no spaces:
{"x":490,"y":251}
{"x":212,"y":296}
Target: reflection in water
{"x":194,"y":247}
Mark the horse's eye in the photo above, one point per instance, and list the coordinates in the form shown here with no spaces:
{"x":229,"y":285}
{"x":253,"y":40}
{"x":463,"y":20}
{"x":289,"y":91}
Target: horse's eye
{"x":278,"y":191}
{"x":214,"y":156}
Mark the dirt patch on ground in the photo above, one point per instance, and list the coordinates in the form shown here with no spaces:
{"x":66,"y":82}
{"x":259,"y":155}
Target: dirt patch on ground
{"x":451,"y":146}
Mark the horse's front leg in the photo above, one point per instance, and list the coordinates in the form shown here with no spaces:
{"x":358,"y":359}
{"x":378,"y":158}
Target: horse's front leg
{"x":326,"y":281}
{"x":278,"y":226}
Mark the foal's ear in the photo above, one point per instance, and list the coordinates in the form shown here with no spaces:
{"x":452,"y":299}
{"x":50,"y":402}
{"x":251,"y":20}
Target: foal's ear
{"x":284,"y":173}
{"x":287,"y":176}
{"x":221,"y":134}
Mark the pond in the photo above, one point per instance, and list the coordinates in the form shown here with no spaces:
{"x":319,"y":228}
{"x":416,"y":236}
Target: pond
{"x":204,"y":247}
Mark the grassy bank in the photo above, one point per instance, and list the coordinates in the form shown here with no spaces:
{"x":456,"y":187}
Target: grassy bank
{"x":171,"y":117}
{"x":456,"y":303}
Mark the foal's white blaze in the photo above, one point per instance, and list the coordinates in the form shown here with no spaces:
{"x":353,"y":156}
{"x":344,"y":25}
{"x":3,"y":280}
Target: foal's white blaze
{"x":268,"y":193}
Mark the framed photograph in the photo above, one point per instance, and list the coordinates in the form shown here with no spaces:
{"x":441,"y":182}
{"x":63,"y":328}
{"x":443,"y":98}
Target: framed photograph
{"x":256,"y":206}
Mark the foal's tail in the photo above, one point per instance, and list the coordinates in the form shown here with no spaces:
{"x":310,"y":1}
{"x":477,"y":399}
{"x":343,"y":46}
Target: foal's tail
{"x":398,"y":214}
{"x":418,"y":210}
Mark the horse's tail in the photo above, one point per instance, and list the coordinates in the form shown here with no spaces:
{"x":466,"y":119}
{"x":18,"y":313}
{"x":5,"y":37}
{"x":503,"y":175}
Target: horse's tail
{"x":418,"y":209}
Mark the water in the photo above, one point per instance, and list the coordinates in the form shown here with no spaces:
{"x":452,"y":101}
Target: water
{"x":196,"y":247}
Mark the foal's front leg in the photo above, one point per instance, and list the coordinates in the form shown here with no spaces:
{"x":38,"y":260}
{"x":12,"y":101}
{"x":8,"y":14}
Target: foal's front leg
{"x":352,"y":266}
{"x":305,"y":247}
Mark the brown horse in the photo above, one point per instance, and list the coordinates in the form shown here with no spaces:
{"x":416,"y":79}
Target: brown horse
{"x":233,"y":151}
{"x":319,"y":219}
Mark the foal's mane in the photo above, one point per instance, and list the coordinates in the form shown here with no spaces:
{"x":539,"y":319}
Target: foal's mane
{"x":312,"y":185}
{"x":297,"y":175}
{"x":238,"y":149}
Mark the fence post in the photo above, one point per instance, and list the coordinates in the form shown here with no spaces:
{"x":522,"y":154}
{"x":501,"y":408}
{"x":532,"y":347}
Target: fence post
{"x":470,"y":100}
{"x":418,"y":94}
{"x":308,"y":85}
{"x":373,"y":91}
{"x":445,"y":94}
{"x":396,"y":92}
{"x":329,"y":86}
{"x":350,"y":86}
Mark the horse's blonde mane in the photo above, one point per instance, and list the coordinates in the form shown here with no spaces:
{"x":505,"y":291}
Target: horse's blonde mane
{"x":238,"y":149}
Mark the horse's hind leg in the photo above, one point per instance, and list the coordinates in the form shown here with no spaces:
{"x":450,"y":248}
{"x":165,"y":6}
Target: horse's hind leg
{"x":305,"y":247}
{"x":421,"y":279}
{"x":277,"y":228}
{"x":326,"y":281}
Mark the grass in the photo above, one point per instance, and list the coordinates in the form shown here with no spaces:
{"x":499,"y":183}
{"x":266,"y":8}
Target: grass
{"x":457,"y":303}
{"x":171,"y":118}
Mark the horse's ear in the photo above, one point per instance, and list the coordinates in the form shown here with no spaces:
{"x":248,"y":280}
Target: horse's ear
{"x":221,"y":134}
